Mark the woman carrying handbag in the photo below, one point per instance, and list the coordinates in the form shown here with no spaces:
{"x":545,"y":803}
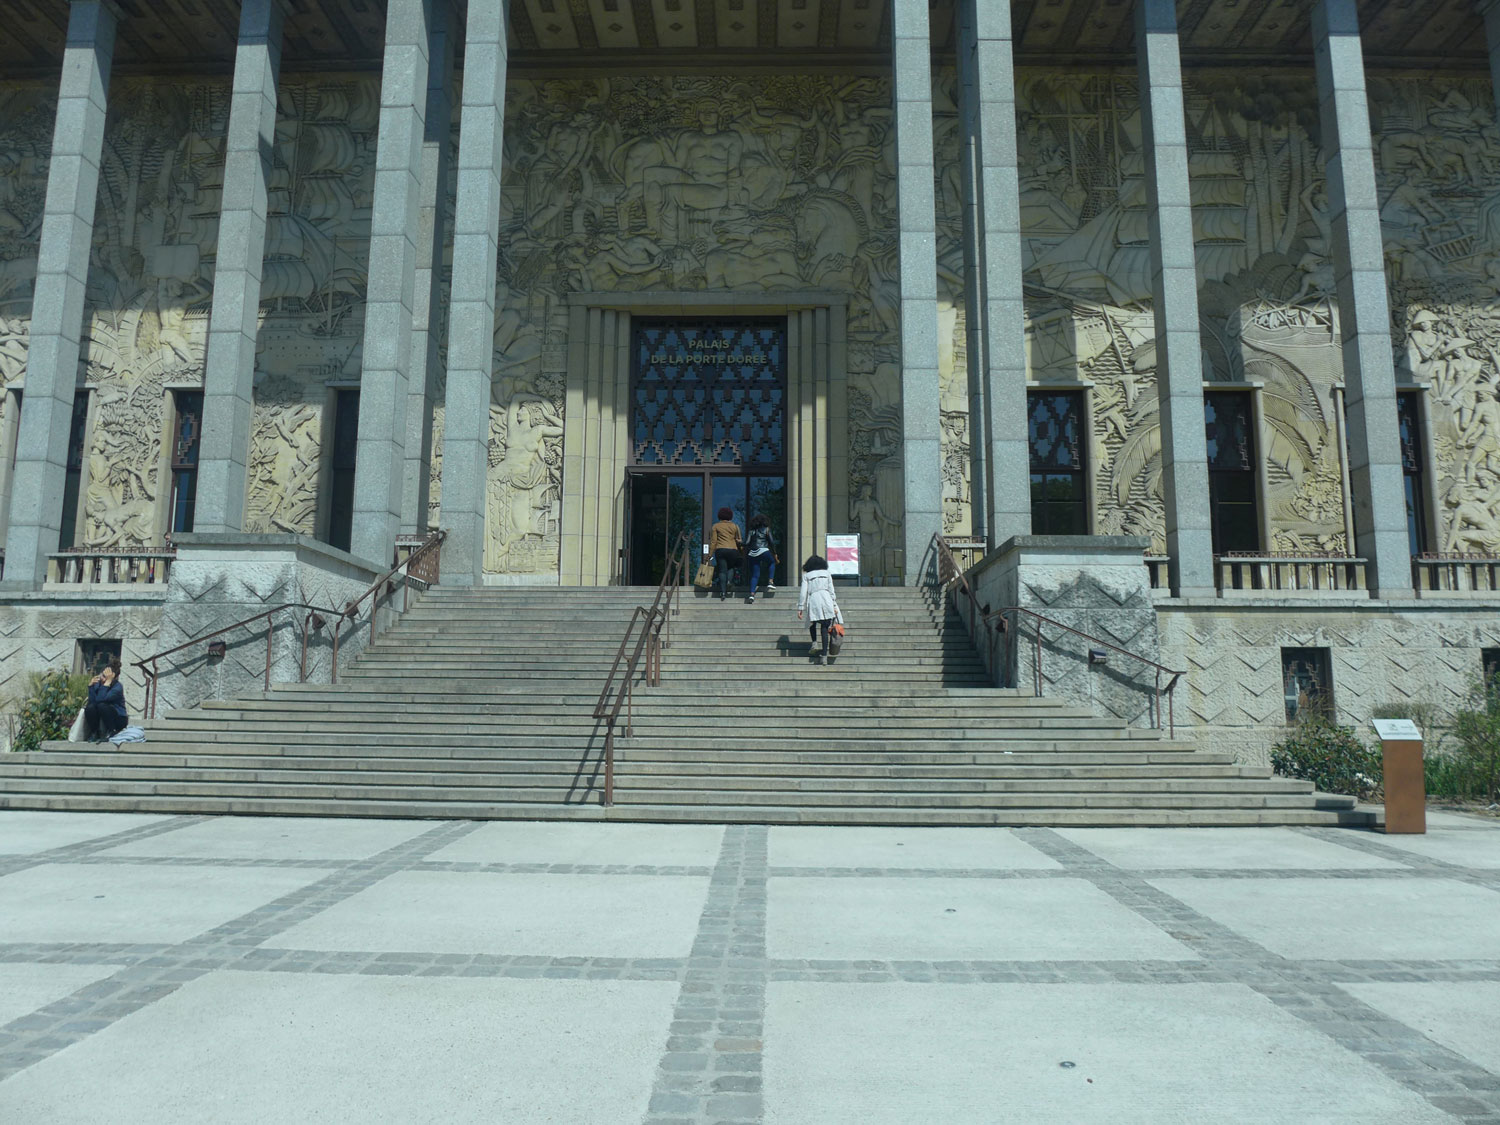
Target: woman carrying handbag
{"x":816,"y":598}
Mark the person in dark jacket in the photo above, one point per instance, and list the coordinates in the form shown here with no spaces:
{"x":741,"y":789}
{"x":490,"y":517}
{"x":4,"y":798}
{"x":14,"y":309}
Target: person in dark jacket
{"x":724,"y":549}
{"x":105,"y":714}
{"x":760,"y":550}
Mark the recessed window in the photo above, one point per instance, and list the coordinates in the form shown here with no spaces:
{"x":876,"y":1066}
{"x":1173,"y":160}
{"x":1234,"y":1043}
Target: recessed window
{"x":341,"y":468}
{"x":1307,"y":682}
{"x":1235,"y":514}
{"x":1489,"y":660}
{"x":187,"y":434}
{"x":1059,"y":482}
{"x":91,"y":654}
{"x":73,"y":480}
{"x":1408,"y":419}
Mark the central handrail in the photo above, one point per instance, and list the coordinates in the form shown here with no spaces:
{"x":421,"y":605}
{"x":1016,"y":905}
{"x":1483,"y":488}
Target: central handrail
{"x":951,"y":576}
{"x":656,"y":631}
{"x":419,"y":566}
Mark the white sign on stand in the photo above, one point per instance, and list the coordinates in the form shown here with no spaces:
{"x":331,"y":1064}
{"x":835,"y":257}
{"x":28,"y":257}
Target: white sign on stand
{"x":1397,"y":730}
{"x":842,"y":552}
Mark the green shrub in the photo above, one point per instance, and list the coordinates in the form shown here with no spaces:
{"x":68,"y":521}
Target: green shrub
{"x":49,"y":708}
{"x":1332,"y":757}
{"x":1476,"y":731}
{"x":1449,"y":776}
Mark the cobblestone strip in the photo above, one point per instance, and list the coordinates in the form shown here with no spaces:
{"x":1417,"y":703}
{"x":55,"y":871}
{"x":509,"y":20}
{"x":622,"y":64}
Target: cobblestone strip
{"x":85,"y":850}
{"x":711,"y":1070}
{"x":1424,"y":866}
{"x":1446,"y":1079}
{"x":991,"y":875}
{"x":32,"y":1038}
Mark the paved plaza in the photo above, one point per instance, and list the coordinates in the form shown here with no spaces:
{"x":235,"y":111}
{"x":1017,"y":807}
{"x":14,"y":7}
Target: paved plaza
{"x":202,"y":969}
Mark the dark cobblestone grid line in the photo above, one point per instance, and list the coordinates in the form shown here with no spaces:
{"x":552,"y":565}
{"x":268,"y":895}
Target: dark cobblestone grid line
{"x":1065,"y":873}
{"x":32,"y":1038}
{"x":1426,"y":866}
{"x":711,"y":1069}
{"x":1446,"y":1079}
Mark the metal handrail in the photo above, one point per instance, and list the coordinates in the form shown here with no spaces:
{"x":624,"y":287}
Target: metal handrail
{"x":950,"y":574}
{"x":1159,"y":668}
{"x":312,"y":621}
{"x":657,"y":620}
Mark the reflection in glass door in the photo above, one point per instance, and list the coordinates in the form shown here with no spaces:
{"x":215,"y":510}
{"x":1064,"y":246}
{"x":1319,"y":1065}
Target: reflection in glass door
{"x":661,"y":508}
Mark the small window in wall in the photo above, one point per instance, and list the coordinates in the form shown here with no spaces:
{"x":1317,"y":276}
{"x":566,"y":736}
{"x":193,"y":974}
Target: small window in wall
{"x":341,"y":468}
{"x":187,"y":433}
{"x":91,"y":654}
{"x":73,"y":481}
{"x":1235,"y":515}
{"x":1408,"y":419}
{"x":1059,"y":483}
{"x":1307,"y":682}
{"x":1489,"y":660}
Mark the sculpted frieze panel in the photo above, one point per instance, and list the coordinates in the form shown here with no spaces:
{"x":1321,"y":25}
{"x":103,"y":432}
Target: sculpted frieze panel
{"x":751,"y":184}
{"x":1438,"y":163}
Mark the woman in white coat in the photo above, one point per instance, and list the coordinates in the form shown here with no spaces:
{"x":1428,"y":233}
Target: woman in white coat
{"x":816,"y":599}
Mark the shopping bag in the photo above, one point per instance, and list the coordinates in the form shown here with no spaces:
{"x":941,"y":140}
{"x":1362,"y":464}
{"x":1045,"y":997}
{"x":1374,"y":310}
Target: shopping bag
{"x":836,"y":636}
{"x":705,"y":577}
{"x":75,"y":732}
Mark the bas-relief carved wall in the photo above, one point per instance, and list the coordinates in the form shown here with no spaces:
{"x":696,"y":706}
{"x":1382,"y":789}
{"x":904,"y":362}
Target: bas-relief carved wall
{"x":151,"y":276}
{"x":1438,"y":161}
{"x":785,"y":182}
{"x":752,"y":184}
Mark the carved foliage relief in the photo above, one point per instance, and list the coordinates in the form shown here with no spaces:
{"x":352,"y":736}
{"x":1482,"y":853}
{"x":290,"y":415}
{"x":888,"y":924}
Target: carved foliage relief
{"x":745,"y":183}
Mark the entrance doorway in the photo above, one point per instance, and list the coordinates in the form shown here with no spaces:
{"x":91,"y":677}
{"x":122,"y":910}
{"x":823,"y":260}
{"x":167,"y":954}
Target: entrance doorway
{"x":665,"y":504}
{"x":707,"y":431}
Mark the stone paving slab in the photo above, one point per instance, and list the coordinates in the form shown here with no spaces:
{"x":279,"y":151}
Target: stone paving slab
{"x":1431,"y":920}
{"x":483,"y":912}
{"x":737,"y":975}
{"x":256,"y":1048}
{"x":276,"y":838}
{"x":930,"y":848}
{"x":892,"y":1054}
{"x":66,"y":902}
{"x":1255,"y":849}
{"x":935,"y":919}
{"x":552,"y":842}
{"x":26,"y":833}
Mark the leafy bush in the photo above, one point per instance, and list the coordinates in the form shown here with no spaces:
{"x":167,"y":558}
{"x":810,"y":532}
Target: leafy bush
{"x":1332,"y":757}
{"x":1476,"y":730}
{"x":1449,"y":776}
{"x":49,"y":708}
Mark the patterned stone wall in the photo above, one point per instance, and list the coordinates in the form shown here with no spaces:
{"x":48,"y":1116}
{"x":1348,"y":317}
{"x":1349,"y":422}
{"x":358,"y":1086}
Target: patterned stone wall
{"x":1233,"y":694}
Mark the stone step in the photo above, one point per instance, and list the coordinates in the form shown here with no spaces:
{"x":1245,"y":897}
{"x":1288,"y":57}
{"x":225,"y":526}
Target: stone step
{"x":64,"y":764}
{"x":704,"y":814}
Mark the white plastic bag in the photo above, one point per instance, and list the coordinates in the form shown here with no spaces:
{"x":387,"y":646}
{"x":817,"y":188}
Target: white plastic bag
{"x":75,"y":732}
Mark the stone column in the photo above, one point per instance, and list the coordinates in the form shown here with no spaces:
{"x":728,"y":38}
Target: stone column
{"x":1364,"y":311}
{"x":1174,"y":294}
{"x":380,"y":462}
{"x":921,"y":426}
{"x":426,"y":329}
{"x":471,"y":310}
{"x":993,"y":297}
{"x":57,"y":306}
{"x":229,"y":368}
{"x":1490,"y":10}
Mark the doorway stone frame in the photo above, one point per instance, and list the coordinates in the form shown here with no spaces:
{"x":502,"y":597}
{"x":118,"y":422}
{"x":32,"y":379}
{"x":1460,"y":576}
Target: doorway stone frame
{"x":596,"y":419}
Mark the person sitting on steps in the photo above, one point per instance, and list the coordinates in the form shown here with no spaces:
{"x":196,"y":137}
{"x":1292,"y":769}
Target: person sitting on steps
{"x":760,"y":548}
{"x":104,"y":713}
{"x":724,"y":544}
{"x":822,"y":607}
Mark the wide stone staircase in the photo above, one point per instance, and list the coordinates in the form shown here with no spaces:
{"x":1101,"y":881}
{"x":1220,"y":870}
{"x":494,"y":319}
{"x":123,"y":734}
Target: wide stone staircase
{"x":479,"y":704}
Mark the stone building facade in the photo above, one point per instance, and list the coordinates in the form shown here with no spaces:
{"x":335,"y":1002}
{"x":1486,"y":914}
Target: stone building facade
{"x":347,"y":271}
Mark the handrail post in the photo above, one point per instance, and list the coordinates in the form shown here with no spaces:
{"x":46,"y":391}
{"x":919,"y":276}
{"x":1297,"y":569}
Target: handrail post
{"x":270,"y":632}
{"x":1038,"y":669}
{"x":339,"y":624}
{"x":306,"y":627}
{"x":1158,"y":699}
{"x":609,"y":763}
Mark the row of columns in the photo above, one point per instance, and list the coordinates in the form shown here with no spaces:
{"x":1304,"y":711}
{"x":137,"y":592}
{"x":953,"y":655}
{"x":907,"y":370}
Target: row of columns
{"x":994,"y":297}
{"x":401,"y":364}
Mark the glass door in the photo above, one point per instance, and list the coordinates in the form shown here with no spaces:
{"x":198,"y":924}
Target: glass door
{"x":662,"y":506}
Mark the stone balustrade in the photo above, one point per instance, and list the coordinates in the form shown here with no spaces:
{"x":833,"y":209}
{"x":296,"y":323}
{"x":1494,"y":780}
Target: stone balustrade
{"x":1456,"y":574}
{"x":83,"y":567}
{"x":1312,"y":574}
